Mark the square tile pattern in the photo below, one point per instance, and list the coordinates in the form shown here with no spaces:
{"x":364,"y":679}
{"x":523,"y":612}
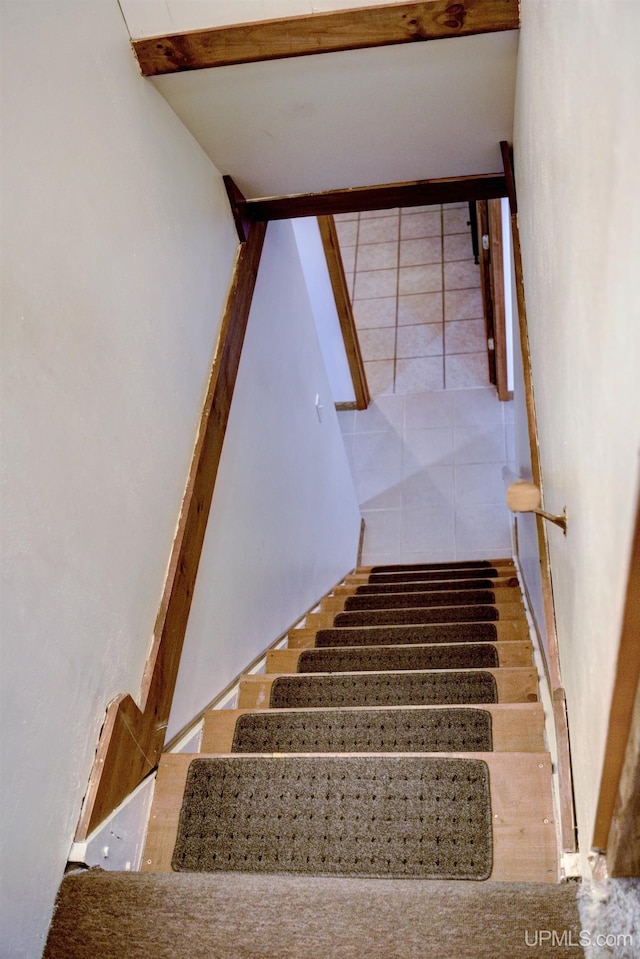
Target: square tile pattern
{"x":416,"y":298}
{"x":427,"y":467}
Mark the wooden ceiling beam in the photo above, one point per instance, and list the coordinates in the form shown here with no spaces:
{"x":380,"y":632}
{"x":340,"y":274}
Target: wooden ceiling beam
{"x":488,"y":186}
{"x":354,"y":29}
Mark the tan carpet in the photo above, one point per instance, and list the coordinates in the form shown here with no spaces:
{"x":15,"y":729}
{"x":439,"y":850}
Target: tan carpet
{"x":106,"y":915}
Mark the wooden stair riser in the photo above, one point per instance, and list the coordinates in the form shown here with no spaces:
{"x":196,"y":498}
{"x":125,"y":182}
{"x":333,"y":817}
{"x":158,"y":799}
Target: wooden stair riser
{"x":516,"y":727}
{"x":515,"y":684}
{"x":509,"y":654}
{"x":305,"y":637}
{"x":524,"y":841}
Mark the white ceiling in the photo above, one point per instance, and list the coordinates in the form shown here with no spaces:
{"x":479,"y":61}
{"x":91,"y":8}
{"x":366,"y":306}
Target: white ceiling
{"x":356,"y":118}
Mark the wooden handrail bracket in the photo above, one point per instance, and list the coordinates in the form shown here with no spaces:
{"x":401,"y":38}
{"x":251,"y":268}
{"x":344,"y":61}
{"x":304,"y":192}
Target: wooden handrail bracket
{"x":132,"y":736}
{"x":354,"y":29}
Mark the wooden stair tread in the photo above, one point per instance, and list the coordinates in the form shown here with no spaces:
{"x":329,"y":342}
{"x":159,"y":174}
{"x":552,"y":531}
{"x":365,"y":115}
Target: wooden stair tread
{"x":520,"y":772}
{"x":516,"y":727}
{"x":515,"y":684}
{"x":304,"y":637}
{"x":509,"y":654}
{"x":524,"y":847}
{"x":511,"y":608}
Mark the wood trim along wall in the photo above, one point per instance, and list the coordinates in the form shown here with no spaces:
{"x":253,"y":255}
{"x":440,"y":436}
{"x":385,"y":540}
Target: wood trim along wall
{"x":388,"y":196}
{"x":132,"y":737}
{"x":354,"y":29}
{"x":611,"y":832}
{"x":192,"y":726}
{"x":331,"y":246}
{"x":552,"y":659}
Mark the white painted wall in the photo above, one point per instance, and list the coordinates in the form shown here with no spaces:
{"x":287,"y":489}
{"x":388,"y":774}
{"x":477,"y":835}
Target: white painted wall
{"x":323,"y":307}
{"x":577,"y":140}
{"x":354,"y":118}
{"x":285,"y":521}
{"x":118,"y":254}
{"x":118,"y":248}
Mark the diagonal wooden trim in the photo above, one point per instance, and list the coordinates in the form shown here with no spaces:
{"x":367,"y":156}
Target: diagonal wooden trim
{"x":132,"y":737}
{"x":382,"y":25}
{"x":552,"y":661}
{"x":329,"y":236}
{"x":621,"y":722}
{"x":388,"y":196}
{"x":238,"y":205}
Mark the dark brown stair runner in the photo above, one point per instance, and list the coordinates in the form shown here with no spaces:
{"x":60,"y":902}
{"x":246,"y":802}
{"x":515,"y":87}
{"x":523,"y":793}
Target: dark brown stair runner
{"x":388,"y":635}
{"x":365,"y":730}
{"x":371,"y":658}
{"x":383,"y":689}
{"x":466,"y":564}
{"x":349,"y":816}
{"x":416,"y":599}
{"x":417,"y":616}
{"x":424,"y":586}
{"x":433,"y":575}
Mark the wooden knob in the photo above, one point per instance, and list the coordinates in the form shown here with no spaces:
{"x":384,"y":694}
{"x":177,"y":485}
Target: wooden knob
{"x":523,"y":497}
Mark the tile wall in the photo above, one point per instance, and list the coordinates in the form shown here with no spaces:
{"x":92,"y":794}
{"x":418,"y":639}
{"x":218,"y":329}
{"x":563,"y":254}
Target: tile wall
{"x":416,"y":297}
{"x":427,"y":467}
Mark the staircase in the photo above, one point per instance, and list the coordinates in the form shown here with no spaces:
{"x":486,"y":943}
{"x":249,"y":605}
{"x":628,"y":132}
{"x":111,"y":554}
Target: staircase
{"x":399,"y":735}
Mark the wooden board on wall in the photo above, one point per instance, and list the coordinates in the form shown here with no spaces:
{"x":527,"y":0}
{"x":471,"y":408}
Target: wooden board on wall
{"x":351,"y":29}
{"x":621,"y":768}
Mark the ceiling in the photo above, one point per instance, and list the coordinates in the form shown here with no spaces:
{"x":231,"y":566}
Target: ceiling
{"x":355,"y":118}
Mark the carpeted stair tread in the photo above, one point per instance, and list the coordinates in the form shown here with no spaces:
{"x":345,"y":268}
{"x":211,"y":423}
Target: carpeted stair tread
{"x":372,"y":658}
{"x":433,"y":576}
{"x":416,"y":616}
{"x":424,"y":586}
{"x":396,"y":600}
{"x":367,"y":730}
{"x":389,"y":635}
{"x":383,"y":689}
{"x":403,"y":816}
{"x":145,"y":915}
{"x":462,"y":564}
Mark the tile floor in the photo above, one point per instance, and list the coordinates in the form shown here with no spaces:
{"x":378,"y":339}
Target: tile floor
{"x":427,"y":455}
{"x":416,"y":298}
{"x":427,"y":467}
